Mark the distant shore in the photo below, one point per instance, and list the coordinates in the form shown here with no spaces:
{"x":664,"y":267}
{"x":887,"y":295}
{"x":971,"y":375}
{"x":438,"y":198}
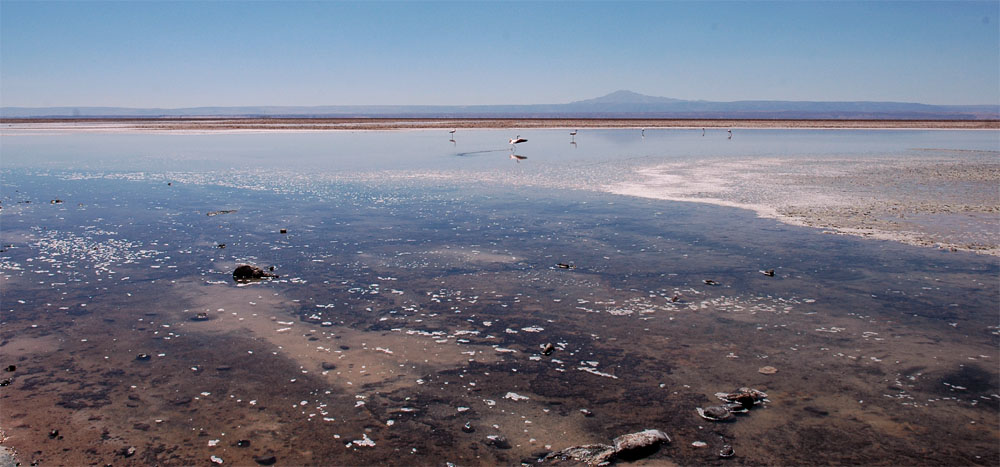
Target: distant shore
{"x":321,"y":124}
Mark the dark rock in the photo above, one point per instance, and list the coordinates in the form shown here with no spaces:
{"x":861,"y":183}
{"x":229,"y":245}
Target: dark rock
{"x":565,"y":266}
{"x":586,"y":413}
{"x":328,"y":366}
{"x":816,"y":411}
{"x":468,"y":428}
{"x":727,"y":451}
{"x":246,"y":272}
{"x":590,"y":454}
{"x":53,"y":434}
{"x":200,"y":317}
{"x":265,"y":460}
{"x":548,"y":349}
{"x":344,"y":347}
{"x":5,"y":382}
{"x":142,"y":357}
{"x":180,"y":400}
{"x":141,"y":426}
{"x":243,"y":443}
{"x":768,"y":273}
{"x":497,"y":441}
{"x":127,"y":452}
{"x":11,"y":368}
{"x":284,"y":231}
{"x":223,"y":368}
{"x":710,"y":282}
{"x":640,"y":444}
{"x":221,"y":245}
{"x":716,"y":413}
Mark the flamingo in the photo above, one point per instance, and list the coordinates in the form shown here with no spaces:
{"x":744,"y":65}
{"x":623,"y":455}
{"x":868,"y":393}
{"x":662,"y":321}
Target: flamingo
{"x":730,"y":133}
{"x":517,"y":139}
{"x":643,"y":132}
{"x":518,"y":158}
{"x":703,"y":132}
{"x":452,"y":131}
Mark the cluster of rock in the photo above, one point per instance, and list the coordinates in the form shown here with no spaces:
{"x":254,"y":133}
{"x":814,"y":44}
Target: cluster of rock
{"x":739,"y":401}
{"x":627,"y":447}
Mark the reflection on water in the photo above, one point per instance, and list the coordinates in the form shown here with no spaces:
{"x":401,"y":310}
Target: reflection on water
{"x":413,"y":306}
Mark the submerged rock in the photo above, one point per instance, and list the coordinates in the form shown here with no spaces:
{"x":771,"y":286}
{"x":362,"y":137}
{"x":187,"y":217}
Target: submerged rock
{"x":246,"y":272}
{"x":718,"y":413}
{"x":640,"y":444}
{"x":265,"y":460}
{"x":224,"y":211}
{"x":497,"y":441}
{"x":590,"y":454}
{"x":632,"y":446}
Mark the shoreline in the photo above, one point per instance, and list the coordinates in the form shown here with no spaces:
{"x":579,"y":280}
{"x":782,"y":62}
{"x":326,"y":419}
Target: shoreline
{"x":355,"y":124}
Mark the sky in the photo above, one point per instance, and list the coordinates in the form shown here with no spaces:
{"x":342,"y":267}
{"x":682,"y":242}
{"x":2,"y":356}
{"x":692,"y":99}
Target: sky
{"x":187,"y":54}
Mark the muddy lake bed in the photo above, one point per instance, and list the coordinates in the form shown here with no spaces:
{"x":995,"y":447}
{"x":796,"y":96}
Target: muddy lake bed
{"x":439,"y":301}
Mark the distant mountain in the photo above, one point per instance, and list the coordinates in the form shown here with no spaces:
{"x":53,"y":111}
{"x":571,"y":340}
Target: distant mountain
{"x":619,"y":104}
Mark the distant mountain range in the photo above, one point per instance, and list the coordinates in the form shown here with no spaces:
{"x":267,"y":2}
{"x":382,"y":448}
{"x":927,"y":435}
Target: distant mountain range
{"x":619,"y":104}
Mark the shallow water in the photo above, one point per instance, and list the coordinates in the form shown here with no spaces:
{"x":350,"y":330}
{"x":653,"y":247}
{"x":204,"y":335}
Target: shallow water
{"x":424,"y":274}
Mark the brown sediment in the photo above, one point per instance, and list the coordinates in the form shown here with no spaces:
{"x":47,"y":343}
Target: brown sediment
{"x":318,"y":124}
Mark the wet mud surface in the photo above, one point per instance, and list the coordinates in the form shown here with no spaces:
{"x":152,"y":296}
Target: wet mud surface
{"x":407,"y":331}
{"x":472,"y":317}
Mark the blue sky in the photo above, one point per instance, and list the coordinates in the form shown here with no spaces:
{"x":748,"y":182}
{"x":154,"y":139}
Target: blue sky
{"x":184,"y":54}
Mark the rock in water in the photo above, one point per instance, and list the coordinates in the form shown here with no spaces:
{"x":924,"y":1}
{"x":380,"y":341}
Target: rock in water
{"x":639,"y":445}
{"x":246,"y":272}
{"x":497,"y":441}
{"x":590,"y":454}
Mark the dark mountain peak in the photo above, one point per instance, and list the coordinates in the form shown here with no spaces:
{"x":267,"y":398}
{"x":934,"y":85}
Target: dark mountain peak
{"x":627,"y":97}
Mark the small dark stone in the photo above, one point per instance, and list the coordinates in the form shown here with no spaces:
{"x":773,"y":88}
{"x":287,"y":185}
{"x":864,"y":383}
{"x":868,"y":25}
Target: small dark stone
{"x":169,"y":184}
{"x":816,"y":411}
{"x":53,"y":434}
{"x":243,"y":443}
{"x":221,"y":245}
{"x":548,"y":349}
{"x":246,"y":272}
{"x":265,"y":460}
{"x":710,"y":282}
{"x":344,"y":347}
{"x":328,"y":366}
{"x":142,"y":357}
{"x":468,"y":428}
{"x":768,"y":273}
{"x":727,"y":451}
{"x":11,"y":368}
{"x":497,"y":441}
{"x":284,"y":231}
{"x":223,"y":368}
{"x":127,"y":452}
{"x":5,"y":382}
{"x":270,"y":268}
{"x":565,"y":266}
{"x":200,"y":317}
